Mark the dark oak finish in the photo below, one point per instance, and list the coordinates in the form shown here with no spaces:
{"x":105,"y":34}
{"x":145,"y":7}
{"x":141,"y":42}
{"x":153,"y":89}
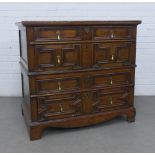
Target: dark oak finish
{"x":76,"y":73}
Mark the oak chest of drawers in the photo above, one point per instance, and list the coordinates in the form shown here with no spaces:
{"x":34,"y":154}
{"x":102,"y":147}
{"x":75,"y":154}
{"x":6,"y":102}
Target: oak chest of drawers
{"x":76,"y":73}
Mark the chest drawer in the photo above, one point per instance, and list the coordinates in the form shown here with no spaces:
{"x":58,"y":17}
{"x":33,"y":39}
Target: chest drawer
{"x":68,"y":57}
{"x":113,"y":54}
{"x":109,"y":78}
{"x":112,"y":79}
{"x":80,"y":81}
{"x":103,"y":33}
{"x":59,"y":106}
{"x":55,"y":84}
{"x":57,"y":33}
{"x":114,"y":98}
{"x":57,"y":57}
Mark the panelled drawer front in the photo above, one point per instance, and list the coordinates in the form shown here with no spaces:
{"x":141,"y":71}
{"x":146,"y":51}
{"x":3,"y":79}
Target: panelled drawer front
{"x":90,"y":93}
{"x":78,"y":104}
{"x":103,"y":33}
{"x":58,"y":83}
{"x":111,"y":79}
{"x":55,"y":84}
{"x":57,"y":33}
{"x":57,"y":57}
{"x":59,"y":106}
{"x":114,"y":98}
{"x":113,"y":54}
{"x":102,"y":79}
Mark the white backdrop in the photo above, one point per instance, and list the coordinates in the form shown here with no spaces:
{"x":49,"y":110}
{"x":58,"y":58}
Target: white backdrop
{"x":10,"y":82}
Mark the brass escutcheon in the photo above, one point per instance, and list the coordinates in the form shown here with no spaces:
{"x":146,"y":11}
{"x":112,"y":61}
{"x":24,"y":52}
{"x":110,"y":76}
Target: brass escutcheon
{"x":87,"y":29}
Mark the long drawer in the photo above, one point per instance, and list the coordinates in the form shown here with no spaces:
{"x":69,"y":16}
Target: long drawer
{"x":72,"y":57}
{"x":58,"y":83}
{"x":82,"y":103}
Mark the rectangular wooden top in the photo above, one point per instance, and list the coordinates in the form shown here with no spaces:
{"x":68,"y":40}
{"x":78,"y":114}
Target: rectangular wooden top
{"x":74,"y":23}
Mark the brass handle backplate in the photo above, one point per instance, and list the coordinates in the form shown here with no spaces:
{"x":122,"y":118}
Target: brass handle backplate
{"x":110,"y":98}
{"x":112,"y":35}
{"x":61,"y":108}
{"x":58,"y":59}
{"x":58,"y":37}
{"x":59,"y":86}
{"x":111,"y":82}
{"x":112,"y":57}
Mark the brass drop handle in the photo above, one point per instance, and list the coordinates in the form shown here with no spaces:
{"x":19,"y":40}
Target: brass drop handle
{"x":61,"y":108}
{"x":59,"y":86}
{"x":112,"y":35}
{"x":58,"y":36}
{"x":111,"y":102}
{"x":111,"y":82}
{"x":112,"y":57}
{"x":58,"y":59}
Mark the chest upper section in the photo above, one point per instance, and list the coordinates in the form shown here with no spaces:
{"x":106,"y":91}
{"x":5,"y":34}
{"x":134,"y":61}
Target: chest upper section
{"x":61,"y":46}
